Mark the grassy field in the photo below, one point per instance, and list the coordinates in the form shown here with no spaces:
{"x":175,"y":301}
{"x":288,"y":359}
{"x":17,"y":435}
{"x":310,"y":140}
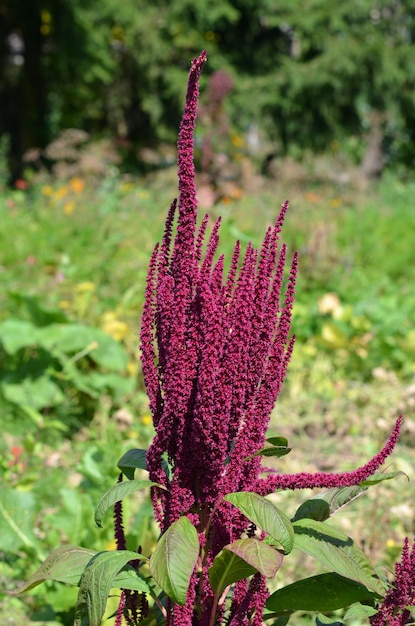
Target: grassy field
{"x":73,"y":260}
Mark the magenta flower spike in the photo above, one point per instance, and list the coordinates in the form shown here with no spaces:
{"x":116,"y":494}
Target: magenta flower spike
{"x":215,"y":349}
{"x":398,"y":604}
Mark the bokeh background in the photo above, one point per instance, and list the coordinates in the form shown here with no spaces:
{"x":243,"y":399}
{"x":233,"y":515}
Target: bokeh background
{"x":309,"y":100}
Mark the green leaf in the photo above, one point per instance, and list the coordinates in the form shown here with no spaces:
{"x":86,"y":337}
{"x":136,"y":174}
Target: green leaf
{"x":132,"y":460}
{"x":73,"y":338}
{"x":326,"y":592}
{"x":265,"y":559}
{"x":174,"y":559}
{"x":69,"y":338}
{"x":241,"y":559}
{"x":110,"y":353}
{"x":324,"y":620}
{"x":36,"y":393}
{"x":117,"y":493}
{"x":276,"y":451}
{"x":339,"y":497}
{"x":313,"y":509}
{"x":336,"y":551}
{"x":129,"y":578}
{"x":64,"y":565}
{"x":17,"y":334}
{"x":265,"y":515}
{"x":359,"y":613}
{"x":279,"y":448}
{"x":67,"y":564}
{"x":380,"y":477}
{"x":116,"y":382}
{"x":228,"y":568}
{"x":96,"y":583}
{"x":279,"y":442}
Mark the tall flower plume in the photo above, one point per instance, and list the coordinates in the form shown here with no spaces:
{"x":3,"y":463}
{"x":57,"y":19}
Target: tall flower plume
{"x":215,"y":348}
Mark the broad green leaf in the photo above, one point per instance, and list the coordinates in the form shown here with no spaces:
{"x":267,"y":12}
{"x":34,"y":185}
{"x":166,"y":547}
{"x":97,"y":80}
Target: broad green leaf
{"x":74,"y":338}
{"x":326,"y":592}
{"x":37,"y":393}
{"x":338,"y":497}
{"x":313,"y":509}
{"x":241,"y":559}
{"x":117,"y":493}
{"x":96,"y":583}
{"x":228,"y":568}
{"x":259,"y":555}
{"x":336,"y":551}
{"x":132,"y":460}
{"x":359,"y":613}
{"x":173,"y":561}
{"x":69,"y":338}
{"x":265,"y":515}
{"x":64,"y":565}
{"x":119,"y":385}
{"x":110,"y":353}
{"x":16,"y":334}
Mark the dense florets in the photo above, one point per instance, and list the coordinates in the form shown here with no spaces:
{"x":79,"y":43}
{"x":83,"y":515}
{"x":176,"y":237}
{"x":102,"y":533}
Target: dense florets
{"x":215,"y":347}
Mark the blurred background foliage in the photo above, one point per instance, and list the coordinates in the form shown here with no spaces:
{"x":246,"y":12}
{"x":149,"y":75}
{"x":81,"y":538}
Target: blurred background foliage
{"x":309,"y":75}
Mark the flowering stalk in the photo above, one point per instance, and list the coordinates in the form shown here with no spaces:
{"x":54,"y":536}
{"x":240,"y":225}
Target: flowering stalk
{"x":400,"y":599}
{"x":215,"y":348}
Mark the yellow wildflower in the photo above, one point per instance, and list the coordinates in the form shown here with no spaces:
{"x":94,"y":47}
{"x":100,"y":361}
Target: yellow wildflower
{"x":237,"y":141}
{"x":69,"y":208}
{"x":77,"y":184}
{"x":87,"y":285}
{"x":131,"y":369}
{"x":114,"y":326}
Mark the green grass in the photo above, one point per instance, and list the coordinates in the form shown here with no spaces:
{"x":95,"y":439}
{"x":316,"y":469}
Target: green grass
{"x":73,"y":253}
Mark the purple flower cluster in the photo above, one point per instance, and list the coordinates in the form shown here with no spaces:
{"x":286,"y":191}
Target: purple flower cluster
{"x":215,"y":347}
{"x":400,"y":599}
